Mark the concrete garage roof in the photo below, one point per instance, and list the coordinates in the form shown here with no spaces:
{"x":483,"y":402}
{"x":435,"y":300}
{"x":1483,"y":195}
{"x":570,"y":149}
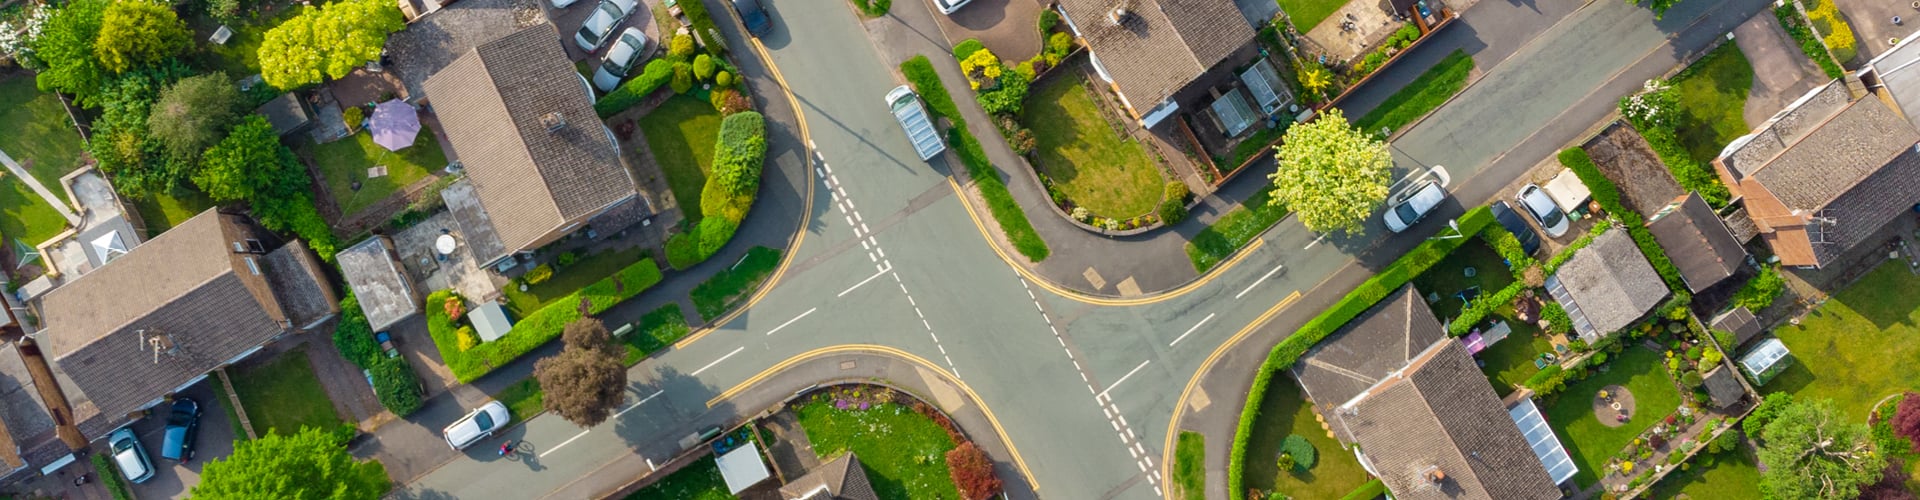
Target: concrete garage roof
{"x":383,"y":289}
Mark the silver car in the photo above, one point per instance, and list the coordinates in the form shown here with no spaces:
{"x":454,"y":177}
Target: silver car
{"x":1414,"y":205}
{"x":629,"y":50}
{"x":478,"y":425}
{"x":1544,"y":211}
{"x":948,"y":7}
{"x":130,"y":456}
{"x":606,"y":16}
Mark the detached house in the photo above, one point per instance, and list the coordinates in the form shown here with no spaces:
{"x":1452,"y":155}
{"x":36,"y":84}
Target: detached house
{"x":1154,"y":52}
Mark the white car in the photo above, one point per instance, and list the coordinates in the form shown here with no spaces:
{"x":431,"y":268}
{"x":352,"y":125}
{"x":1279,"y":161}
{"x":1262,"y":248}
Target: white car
{"x":629,"y":50}
{"x":1414,"y":205}
{"x":130,"y":456}
{"x":948,"y":7}
{"x":1537,"y":204}
{"x":477,"y":425}
{"x":561,"y":4}
{"x":605,"y":17}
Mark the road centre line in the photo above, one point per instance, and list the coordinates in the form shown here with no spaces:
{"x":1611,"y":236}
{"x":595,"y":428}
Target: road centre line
{"x":616,"y":415}
{"x":1123,"y":378}
{"x":1316,"y":241}
{"x":1100,"y":398}
{"x":736,"y":350}
{"x":789,"y":322}
{"x":1263,"y":279}
{"x":1196,"y":326}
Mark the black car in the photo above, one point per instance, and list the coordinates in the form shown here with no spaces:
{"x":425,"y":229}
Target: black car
{"x":183,"y":426}
{"x":754,"y":16}
{"x":1529,"y":240}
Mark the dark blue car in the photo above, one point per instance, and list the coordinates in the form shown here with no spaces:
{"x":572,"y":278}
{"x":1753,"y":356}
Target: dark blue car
{"x":183,"y":425}
{"x":754,"y":16}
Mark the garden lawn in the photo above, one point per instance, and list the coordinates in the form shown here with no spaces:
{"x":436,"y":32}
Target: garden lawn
{"x":1233,"y":230}
{"x":1285,"y":411}
{"x":1591,"y":443}
{"x":1448,"y":277}
{"x":36,"y":132}
{"x":1309,"y":13}
{"x":699,"y":480}
{"x":681,"y":133}
{"x":24,"y":216}
{"x":655,"y":331}
{"x":1086,"y":159}
{"x":1727,"y":476}
{"x":283,"y":395}
{"x":1713,"y":98}
{"x":1422,"y":95}
{"x":903,"y":451}
{"x":239,"y":57}
{"x":714,"y":295}
{"x":344,"y":161}
{"x":588,"y":269}
{"x":1844,"y":350}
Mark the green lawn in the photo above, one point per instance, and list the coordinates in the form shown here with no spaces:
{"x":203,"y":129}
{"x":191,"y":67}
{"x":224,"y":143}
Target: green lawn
{"x":161,"y":212}
{"x":699,"y":480}
{"x":714,"y":295}
{"x":38,"y":134}
{"x":1591,"y":443}
{"x":284,"y":395}
{"x":1509,"y":362}
{"x":523,"y":399}
{"x":1285,"y":411}
{"x":1233,"y":230}
{"x":681,"y":133}
{"x":1727,"y":476}
{"x":223,"y":399}
{"x":239,"y":57}
{"x":346,"y":161}
{"x":1309,"y":13}
{"x":588,"y":269}
{"x":904,"y":452}
{"x":1190,"y":466}
{"x":1842,"y":350}
{"x":1087,"y":160}
{"x":1422,"y":95}
{"x":25,"y":217}
{"x":655,"y":331}
{"x":1448,"y":277}
{"x":1713,"y":97}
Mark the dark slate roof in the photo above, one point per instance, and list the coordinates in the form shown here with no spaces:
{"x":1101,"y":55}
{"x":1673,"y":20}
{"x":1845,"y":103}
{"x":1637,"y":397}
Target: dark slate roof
{"x":531,"y":178}
{"x":1612,"y":282}
{"x":1741,"y":323}
{"x":1749,"y":153}
{"x":840,"y":479}
{"x":1162,"y":46}
{"x":385,"y":293}
{"x":1699,"y":244}
{"x":1723,"y":387}
{"x":299,"y":285}
{"x":1368,"y":349}
{"x":1867,"y":206}
{"x":286,"y":113}
{"x":187,"y":284}
{"x":1440,"y":414}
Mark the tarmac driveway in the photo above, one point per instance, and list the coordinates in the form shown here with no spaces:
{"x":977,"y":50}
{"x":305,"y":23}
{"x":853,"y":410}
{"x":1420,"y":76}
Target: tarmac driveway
{"x":1781,"y":72}
{"x":569,"y":19}
{"x":174,"y":479}
{"x":1007,"y":27}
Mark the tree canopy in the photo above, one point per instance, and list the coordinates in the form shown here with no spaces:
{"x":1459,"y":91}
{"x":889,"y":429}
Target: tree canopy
{"x":121,"y":145}
{"x":136,"y":33}
{"x":1812,"y":451}
{"x":328,"y":41}
{"x":1331,"y":174}
{"x":250,"y":164}
{"x":65,"y":48}
{"x":310,"y":464}
{"x":586,"y":381}
{"x":193,"y":114}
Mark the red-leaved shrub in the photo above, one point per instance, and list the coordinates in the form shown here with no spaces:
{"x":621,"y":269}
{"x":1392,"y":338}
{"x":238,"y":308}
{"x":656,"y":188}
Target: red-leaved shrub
{"x":973,"y":472}
{"x":1906,"y":420}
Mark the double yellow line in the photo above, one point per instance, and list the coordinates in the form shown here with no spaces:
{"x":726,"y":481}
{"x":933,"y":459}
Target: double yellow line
{"x":1173,"y":424}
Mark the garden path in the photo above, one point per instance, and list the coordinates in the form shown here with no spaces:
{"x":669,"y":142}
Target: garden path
{"x":58,"y":204}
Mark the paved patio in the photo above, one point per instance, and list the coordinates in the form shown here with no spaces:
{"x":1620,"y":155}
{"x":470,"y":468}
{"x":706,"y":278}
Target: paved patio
{"x":459,"y":271}
{"x":1873,"y":24}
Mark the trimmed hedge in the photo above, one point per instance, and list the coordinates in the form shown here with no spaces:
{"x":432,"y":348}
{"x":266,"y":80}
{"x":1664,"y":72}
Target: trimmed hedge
{"x":1357,"y":301}
{"x":398,"y":388}
{"x":1013,"y":221}
{"x":657,"y":72}
{"x":739,"y":157}
{"x":537,"y":328}
{"x":394,"y":381}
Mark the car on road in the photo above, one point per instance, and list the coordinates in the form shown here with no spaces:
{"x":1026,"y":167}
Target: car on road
{"x":129,"y":455}
{"x":1535,"y":200}
{"x":1414,"y":205}
{"x":477,"y":425}
{"x":629,"y":49}
{"x":561,"y":4}
{"x":948,"y":7}
{"x":606,"y":16}
{"x":183,"y":427}
{"x":1509,"y":219}
{"x":753,"y":16}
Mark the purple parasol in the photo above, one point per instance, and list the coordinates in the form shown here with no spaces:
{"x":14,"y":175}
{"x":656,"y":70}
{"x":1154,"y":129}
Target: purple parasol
{"x":394,"y":125}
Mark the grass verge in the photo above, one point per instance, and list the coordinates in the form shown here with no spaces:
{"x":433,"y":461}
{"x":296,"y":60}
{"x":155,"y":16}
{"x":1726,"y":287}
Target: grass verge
{"x":283,"y":395}
{"x":904,"y":452}
{"x":1233,"y":230}
{"x":1190,"y":465}
{"x":524,"y":399}
{"x":1013,"y":221}
{"x":1422,"y":95}
{"x":716,"y":294}
{"x":681,"y":133}
{"x":655,"y":331}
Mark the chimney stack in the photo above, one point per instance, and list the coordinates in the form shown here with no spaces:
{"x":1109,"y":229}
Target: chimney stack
{"x":554,"y":121}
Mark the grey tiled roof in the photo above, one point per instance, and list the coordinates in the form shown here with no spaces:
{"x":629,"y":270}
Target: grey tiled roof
{"x":1747,"y":154}
{"x":531,"y":178}
{"x":1164,"y":45}
{"x":839,"y":479}
{"x":1741,"y":323}
{"x":1863,"y":209}
{"x":22,"y":411}
{"x":1723,"y":387}
{"x":1834,"y":158}
{"x":1612,"y":282}
{"x":1367,"y":349}
{"x":385,"y":293}
{"x":1700,"y":245}
{"x":1441,"y":414}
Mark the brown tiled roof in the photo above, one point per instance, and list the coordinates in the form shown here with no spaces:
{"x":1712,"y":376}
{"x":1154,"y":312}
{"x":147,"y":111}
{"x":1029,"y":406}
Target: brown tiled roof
{"x":1442,"y":415}
{"x":1162,"y":46}
{"x":1612,"y":282}
{"x":1700,"y":245}
{"x":839,"y":479}
{"x":1367,"y":349}
{"x":495,"y":103}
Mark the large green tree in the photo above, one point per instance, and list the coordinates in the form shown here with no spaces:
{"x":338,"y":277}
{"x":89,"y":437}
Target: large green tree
{"x":307,"y":465}
{"x":1331,"y":175}
{"x":251,"y":165}
{"x":1811,"y":451}
{"x":121,"y":145}
{"x":586,"y":381}
{"x":137,"y":33}
{"x":327,"y":42}
{"x":65,"y":48}
{"x":193,"y":114}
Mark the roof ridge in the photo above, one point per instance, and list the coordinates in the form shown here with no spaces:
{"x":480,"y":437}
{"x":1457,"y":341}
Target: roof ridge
{"x":1788,"y":146}
{"x":1863,"y":177}
{"x":1342,"y":371}
{"x":1180,"y":34}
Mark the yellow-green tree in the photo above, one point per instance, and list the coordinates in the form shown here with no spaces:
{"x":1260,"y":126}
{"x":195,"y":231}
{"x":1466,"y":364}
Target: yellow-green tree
{"x":136,"y":33}
{"x":327,"y":42}
{"x":1331,"y":175}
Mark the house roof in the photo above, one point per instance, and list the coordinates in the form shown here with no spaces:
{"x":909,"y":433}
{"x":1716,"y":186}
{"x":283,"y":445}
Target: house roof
{"x":1699,"y":244}
{"x":522,"y":124}
{"x":385,"y":293}
{"x":1162,"y":45}
{"x":1609,"y":282}
{"x":839,"y":479}
{"x":1723,"y":387}
{"x":1748,"y":153}
{"x":187,"y":285}
{"x":1368,"y":349}
{"x":1440,"y":415}
{"x":1899,"y":71}
{"x":1741,"y":323}
{"x":24,"y":422}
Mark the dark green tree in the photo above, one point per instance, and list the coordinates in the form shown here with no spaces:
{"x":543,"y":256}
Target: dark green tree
{"x":121,"y":145}
{"x":65,"y":47}
{"x":1812,"y":451}
{"x":192,"y":115}
{"x":250,"y":164}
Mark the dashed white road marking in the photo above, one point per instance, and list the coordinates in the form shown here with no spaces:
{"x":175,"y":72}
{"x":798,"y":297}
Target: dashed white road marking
{"x":1100,"y":398}
{"x":1263,"y":279}
{"x":1196,"y":326}
{"x":736,"y":350}
{"x":616,"y":416}
{"x":1123,"y":378}
{"x":789,"y":322}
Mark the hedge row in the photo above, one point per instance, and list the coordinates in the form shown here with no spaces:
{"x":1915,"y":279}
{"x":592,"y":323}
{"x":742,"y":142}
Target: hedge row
{"x":394,"y":381}
{"x":1013,"y":221}
{"x":537,"y":328}
{"x":1357,"y":301}
{"x":739,"y":157}
{"x":657,"y":73}
{"x":1608,"y":196}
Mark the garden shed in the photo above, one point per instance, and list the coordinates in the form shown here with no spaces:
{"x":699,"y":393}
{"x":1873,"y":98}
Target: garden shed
{"x":287,"y":114}
{"x":1700,"y":245}
{"x":1723,"y":387}
{"x":490,"y":321}
{"x":840,"y":479}
{"x":743,"y":468}
{"x":1740,"y":322}
{"x":1765,"y":360}
{"x":1606,"y":286}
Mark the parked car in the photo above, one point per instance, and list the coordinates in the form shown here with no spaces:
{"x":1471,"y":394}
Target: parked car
{"x":183,"y":427}
{"x":913,"y":117}
{"x":1529,"y":238}
{"x":949,"y":6}
{"x":1414,"y":205}
{"x":130,"y":456}
{"x":753,"y":16}
{"x":477,"y":425}
{"x":561,"y":4}
{"x":605,"y":17}
{"x":629,"y":50}
{"x":1544,"y":211}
